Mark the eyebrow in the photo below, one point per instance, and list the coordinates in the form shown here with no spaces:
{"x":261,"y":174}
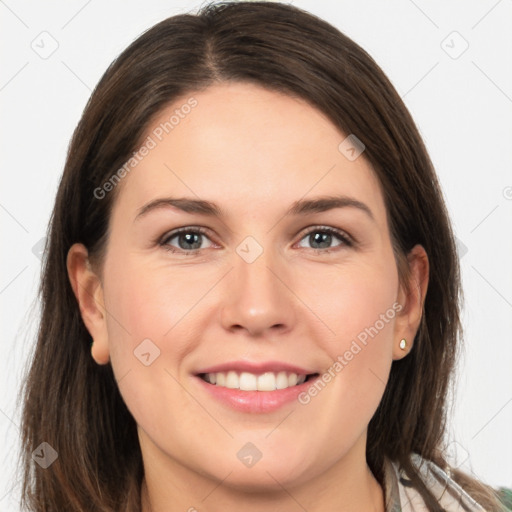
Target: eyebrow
{"x":298,"y":208}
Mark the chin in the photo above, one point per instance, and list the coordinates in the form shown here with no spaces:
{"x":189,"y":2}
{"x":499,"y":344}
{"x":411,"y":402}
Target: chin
{"x":265,"y":479}
{"x":268,"y":474}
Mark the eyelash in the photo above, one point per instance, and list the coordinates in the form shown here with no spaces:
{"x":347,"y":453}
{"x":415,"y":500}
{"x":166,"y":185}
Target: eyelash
{"x":346,"y":239}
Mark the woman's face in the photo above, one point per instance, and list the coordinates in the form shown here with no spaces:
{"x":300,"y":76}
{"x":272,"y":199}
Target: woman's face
{"x":263,"y":284}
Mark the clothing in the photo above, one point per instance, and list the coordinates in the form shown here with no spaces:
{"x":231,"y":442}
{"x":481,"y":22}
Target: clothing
{"x":402,"y":497}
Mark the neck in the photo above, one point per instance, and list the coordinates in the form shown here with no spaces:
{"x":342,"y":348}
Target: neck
{"x":346,"y":486}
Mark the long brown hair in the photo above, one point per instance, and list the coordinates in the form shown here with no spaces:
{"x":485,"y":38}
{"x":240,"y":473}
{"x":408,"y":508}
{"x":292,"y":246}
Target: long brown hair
{"x":72,"y":403}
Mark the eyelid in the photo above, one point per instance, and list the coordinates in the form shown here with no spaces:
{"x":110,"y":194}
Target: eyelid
{"x":185,"y":229}
{"x":340,"y":233}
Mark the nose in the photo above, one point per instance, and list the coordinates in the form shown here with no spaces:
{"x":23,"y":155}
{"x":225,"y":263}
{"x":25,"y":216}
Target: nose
{"x":257,"y":298}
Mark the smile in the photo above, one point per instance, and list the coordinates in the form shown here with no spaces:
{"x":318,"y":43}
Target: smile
{"x":245,"y":381}
{"x":255,"y":393}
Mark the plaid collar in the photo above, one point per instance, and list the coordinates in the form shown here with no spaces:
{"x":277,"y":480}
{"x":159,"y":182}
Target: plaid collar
{"x":401,"y":496}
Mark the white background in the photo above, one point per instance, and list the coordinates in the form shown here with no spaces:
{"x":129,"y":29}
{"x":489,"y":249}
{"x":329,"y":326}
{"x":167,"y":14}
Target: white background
{"x":463,"y":107}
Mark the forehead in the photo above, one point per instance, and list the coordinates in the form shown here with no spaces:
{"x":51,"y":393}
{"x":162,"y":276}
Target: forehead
{"x":246,"y":148}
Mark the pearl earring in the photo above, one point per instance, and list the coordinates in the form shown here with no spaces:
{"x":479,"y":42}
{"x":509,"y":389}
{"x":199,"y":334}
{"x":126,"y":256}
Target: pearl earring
{"x":403,"y":343}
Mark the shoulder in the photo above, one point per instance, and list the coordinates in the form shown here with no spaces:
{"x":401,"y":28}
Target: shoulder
{"x":401,"y":495}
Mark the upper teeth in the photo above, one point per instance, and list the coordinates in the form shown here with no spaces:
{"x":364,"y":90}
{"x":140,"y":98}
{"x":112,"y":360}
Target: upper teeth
{"x":268,"y":381}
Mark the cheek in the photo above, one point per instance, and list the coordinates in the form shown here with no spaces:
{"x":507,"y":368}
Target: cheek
{"x":358,"y":310}
{"x":147,"y":309}
{"x":147,"y":303}
{"x":155,"y":322}
{"x":353,"y":301}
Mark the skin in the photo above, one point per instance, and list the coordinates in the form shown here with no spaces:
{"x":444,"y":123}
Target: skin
{"x":253,"y":152}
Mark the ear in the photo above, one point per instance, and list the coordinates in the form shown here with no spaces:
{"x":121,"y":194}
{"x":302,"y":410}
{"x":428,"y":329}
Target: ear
{"x":88,"y":291}
{"x":409,"y":318}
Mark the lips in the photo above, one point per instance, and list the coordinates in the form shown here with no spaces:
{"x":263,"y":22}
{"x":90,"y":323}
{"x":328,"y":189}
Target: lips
{"x":245,"y":401}
{"x":290,"y":382}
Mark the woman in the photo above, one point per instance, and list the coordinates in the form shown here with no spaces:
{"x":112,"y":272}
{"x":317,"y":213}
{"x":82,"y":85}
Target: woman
{"x":249,"y":369}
